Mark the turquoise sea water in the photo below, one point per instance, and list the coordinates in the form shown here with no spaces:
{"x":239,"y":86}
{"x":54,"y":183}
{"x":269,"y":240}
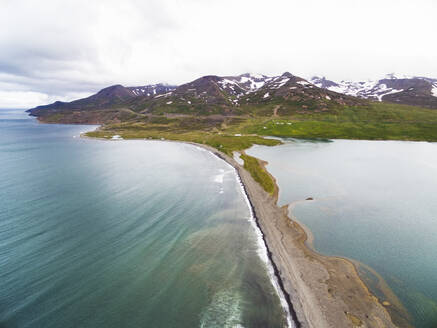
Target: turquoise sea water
{"x":375,"y":202}
{"x":124,"y":234}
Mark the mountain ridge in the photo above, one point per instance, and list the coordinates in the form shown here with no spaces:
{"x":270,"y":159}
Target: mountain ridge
{"x":210,"y":94}
{"x":415,"y":91}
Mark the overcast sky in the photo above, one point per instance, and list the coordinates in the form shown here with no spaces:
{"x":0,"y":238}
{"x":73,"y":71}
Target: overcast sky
{"x":61,"y":49}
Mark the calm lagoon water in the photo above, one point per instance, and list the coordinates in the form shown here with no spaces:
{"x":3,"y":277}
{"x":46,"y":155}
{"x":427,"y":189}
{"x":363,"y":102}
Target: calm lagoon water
{"x":375,"y":202}
{"x":124,"y":234}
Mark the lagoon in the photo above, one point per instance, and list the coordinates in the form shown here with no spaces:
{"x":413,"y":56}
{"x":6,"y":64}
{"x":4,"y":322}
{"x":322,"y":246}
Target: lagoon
{"x":375,"y":202}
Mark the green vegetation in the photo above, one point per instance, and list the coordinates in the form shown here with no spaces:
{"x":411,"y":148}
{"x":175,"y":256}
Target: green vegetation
{"x":347,"y":130}
{"x":258,"y":172}
{"x":199,"y":132}
{"x":376,"y":121}
{"x":233,"y":118}
{"x":223,"y":142}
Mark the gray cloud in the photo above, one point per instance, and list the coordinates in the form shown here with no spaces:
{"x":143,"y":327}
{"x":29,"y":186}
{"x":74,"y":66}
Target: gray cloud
{"x":63,"y":49}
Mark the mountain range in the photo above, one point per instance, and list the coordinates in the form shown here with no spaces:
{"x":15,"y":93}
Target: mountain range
{"x":416,"y":91}
{"x":239,"y":95}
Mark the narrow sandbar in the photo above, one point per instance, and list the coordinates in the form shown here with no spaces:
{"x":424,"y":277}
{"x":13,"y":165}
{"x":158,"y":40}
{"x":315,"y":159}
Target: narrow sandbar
{"x":323,"y":291}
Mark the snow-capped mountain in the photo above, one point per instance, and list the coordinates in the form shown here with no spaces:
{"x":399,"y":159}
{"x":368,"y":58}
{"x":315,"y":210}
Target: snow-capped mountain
{"x":247,"y":89}
{"x":226,"y":90}
{"x":151,"y":89}
{"x":210,"y":94}
{"x":418,"y":91}
{"x":247,"y":82}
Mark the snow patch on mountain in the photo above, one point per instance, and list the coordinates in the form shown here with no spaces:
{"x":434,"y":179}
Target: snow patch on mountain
{"x":304,"y":83}
{"x":152,"y":89}
{"x":278,"y":82}
{"x":243,"y":84}
{"x":368,"y":89}
{"x":382,"y":91}
{"x":434,"y":90}
{"x":255,"y":82}
{"x":226,"y":83}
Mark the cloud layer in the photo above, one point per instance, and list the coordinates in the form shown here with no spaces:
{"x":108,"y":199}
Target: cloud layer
{"x":62,"y":50}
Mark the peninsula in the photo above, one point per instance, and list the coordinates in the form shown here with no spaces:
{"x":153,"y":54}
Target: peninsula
{"x":230,"y":114}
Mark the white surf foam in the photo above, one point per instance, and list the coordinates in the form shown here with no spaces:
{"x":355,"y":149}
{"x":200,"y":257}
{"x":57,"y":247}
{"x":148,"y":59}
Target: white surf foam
{"x":199,"y":148}
{"x":262,"y":248}
{"x":224,"y":311}
{"x":220,"y":177}
{"x":262,"y":253}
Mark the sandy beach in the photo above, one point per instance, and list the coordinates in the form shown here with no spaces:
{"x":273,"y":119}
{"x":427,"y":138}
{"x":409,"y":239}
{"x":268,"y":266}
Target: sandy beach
{"x":323,"y":291}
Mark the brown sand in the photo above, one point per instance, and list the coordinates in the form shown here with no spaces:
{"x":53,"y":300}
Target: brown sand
{"x":324,"y":291}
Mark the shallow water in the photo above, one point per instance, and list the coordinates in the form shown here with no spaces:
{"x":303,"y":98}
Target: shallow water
{"x":375,"y":202}
{"x":124,"y":234}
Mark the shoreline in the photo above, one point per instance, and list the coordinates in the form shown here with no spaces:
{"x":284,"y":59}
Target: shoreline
{"x":309,"y":306}
{"x":290,"y":311}
{"x":394,"y":306}
{"x":321,"y":291}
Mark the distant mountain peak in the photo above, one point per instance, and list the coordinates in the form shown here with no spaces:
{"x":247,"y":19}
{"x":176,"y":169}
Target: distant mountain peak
{"x":322,"y":82}
{"x":253,"y":75}
{"x":395,"y":76}
{"x":287,"y":74}
{"x":395,"y":88}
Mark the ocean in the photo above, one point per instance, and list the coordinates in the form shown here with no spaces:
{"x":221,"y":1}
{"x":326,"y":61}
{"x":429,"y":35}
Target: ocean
{"x":125,"y":234}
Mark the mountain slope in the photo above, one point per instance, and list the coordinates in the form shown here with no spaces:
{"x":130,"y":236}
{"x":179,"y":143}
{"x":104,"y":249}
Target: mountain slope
{"x":114,"y":96}
{"x":229,"y":95}
{"x":291,"y":93}
{"x":416,"y":91}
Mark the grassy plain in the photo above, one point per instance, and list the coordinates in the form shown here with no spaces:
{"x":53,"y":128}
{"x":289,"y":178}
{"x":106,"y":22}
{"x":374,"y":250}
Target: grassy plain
{"x":377,"y":121}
